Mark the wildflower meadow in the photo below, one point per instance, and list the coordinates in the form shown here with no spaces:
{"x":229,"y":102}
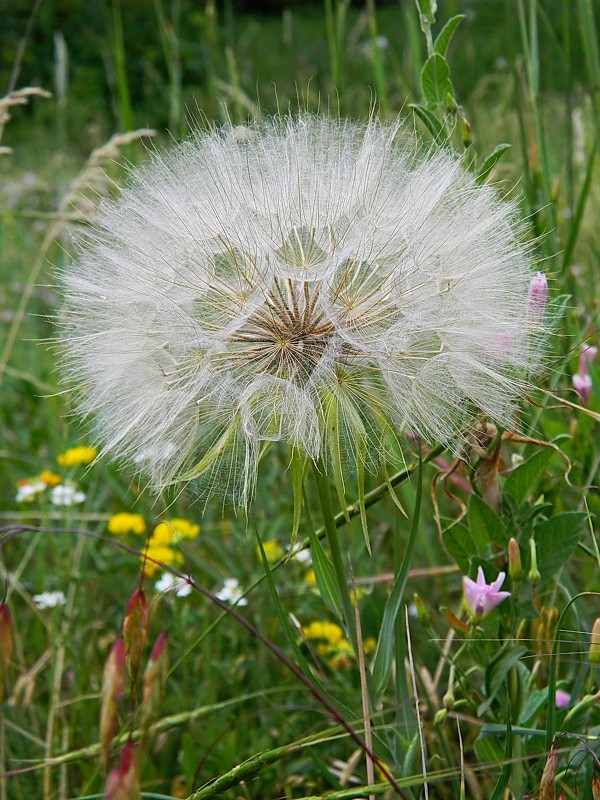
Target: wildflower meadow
{"x":300,"y":400}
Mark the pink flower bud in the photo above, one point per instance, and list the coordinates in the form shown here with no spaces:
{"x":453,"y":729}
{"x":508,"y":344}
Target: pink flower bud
{"x":548,"y":782}
{"x":583,"y":386}
{"x":155,"y":679}
{"x":595,"y":642}
{"x":113,"y":683}
{"x":123,"y":783}
{"x":587,"y":357}
{"x":6,"y":644}
{"x":537,"y":295}
{"x":515,"y":566}
{"x":562,"y":698}
{"x":135,"y":631}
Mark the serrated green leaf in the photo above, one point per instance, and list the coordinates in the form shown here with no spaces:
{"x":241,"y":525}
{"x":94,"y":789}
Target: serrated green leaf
{"x":435,"y":81}
{"x":490,"y":162}
{"x":485,"y":525}
{"x":556,"y":540}
{"x":460,"y":545}
{"x":522,"y":482}
{"x":444,"y":37}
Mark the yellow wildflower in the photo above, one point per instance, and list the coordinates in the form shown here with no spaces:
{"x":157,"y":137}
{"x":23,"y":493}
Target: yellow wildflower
{"x":172,"y":530}
{"x":273,"y":551}
{"x":49,"y":478}
{"x":184,"y":529}
{"x":76,"y":456}
{"x":123,"y":523}
{"x":310,"y":578}
{"x":161,"y":553}
{"x":325,"y":631}
{"x":369,"y":645}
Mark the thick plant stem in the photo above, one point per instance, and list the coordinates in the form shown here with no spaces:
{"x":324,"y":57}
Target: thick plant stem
{"x":335,"y":550}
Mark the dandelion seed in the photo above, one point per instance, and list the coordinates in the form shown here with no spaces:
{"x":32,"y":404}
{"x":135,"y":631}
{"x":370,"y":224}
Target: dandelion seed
{"x":315,"y":282}
{"x":49,"y":599}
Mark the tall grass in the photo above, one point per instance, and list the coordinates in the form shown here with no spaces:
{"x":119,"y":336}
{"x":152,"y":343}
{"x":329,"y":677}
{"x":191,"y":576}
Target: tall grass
{"x":444,"y":707}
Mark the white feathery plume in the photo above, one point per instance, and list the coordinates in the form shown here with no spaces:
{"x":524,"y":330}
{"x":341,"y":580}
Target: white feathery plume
{"x":312,"y":281}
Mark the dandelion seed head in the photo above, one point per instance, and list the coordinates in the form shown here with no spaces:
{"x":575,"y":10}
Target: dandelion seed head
{"x":316,"y":282}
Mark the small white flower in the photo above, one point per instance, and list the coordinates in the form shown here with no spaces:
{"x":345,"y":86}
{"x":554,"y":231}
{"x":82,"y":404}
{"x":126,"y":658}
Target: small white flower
{"x":232,"y":593}
{"x":66,"y":494}
{"x":168,"y":583}
{"x":49,"y":599}
{"x":317,"y":282}
{"x":26,"y":492}
{"x":303,"y":557}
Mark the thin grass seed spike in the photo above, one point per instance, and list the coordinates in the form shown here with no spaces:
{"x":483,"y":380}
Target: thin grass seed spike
{"x":257,"y":284}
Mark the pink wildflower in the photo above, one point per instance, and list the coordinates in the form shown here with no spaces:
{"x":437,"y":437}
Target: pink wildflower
{"x":538,"y":294}
{"x":582,"y":381}
{"x":562,"y":698}
{"x":482,"y":597}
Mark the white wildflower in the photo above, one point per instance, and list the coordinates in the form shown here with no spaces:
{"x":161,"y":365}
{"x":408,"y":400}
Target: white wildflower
{"x":168,"y":583}
{"x":27,"y":491}
{"x":316,"y":282}
{"x":49,"y":599}
{"x":231,"y":592}
{"x":66,"y":494}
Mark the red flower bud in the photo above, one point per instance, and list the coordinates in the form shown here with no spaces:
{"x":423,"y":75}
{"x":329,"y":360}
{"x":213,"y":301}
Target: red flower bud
{"x":6,"y":644}
{"x":135,"y":631}
{"x":113,"y":683}
{"x":123,"y":783}
{"x":155,"y":679}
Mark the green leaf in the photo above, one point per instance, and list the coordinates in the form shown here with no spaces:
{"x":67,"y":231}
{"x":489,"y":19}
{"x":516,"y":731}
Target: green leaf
{"x":298,"y":464}
{"x":427,"y":10}
{"x":490,"y":162}
{"x":324,"y":573}
{"x":521,"y":483}
{"x":497,"y":673}
{"x":556,"y":540}
{"x":431,"y":122}
{"x":435,"y":81}
{"x":504,"y":776}
{"x":460,"y":545}
{"x":444,"y":37}
{"x":485,"y":525}
{"x":382,"y":663}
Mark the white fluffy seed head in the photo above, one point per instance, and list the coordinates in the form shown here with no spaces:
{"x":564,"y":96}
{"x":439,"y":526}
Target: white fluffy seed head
{"x":312,"y":281}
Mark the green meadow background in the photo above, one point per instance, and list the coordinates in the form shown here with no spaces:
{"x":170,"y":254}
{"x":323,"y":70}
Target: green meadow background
{"x":525,"y":73}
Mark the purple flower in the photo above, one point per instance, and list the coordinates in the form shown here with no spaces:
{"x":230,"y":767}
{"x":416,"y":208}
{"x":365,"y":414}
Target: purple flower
{"x":583,"y":386}
{"x":582,"y":381}
{"x":588,"y":355}
{"x":562,"y":698}
{"x":538,"y":294}
{"x":482,"y":597}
